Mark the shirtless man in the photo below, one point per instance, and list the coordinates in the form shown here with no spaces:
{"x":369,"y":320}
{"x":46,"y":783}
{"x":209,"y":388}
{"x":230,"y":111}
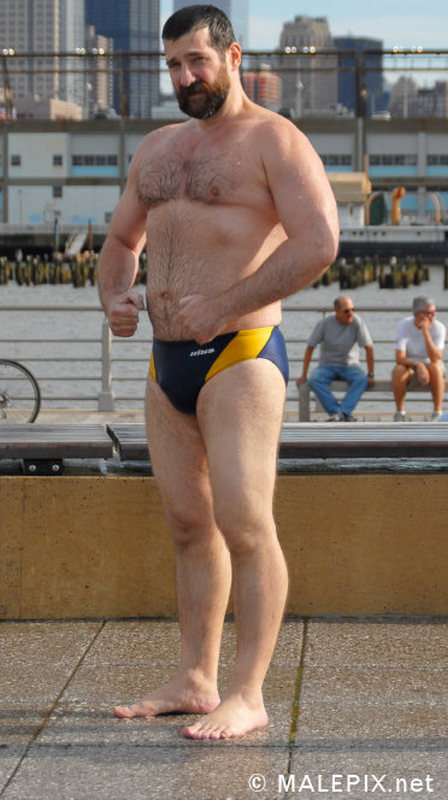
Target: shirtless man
{"x":237,"y":213}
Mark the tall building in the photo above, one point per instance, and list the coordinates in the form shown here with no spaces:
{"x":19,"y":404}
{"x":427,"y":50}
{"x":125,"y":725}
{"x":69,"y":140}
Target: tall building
{"x":309,"y":77}
{"x":134,"y":25}
{"x":236,"y":10}
{"x":99,"y":72}
{"x":263,"y":87}
{"x":32,"y":26}
{"x":351,"y":84}
{"x":408,"y":99}
{"x":42,"y":27}
{"x":73,"y":86}
{"x":403,"y":95}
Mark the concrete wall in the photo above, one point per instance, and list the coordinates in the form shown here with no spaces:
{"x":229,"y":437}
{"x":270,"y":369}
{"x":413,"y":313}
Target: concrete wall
{"x":98,"y":546}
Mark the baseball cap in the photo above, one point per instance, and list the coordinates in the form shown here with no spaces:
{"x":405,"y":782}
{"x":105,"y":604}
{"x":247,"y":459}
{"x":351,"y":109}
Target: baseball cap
{"x":420,"y":303}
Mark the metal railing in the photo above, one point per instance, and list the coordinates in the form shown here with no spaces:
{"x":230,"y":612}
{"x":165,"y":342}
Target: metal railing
{"x":85,"y":66}
{"x":79,"y":365}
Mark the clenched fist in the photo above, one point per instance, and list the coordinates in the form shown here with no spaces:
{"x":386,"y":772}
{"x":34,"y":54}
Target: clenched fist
{"x":123,"y":313}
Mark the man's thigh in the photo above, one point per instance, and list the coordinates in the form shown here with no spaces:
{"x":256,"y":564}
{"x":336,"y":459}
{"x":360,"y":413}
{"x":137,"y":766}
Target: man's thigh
{"x":324,"y":373}
{"x":178,"y":460}
{"x":352,"y":373}
{"x":240,"y":413}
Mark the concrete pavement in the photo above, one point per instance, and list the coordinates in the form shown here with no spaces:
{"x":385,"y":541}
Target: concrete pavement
{"x":358,"y":708}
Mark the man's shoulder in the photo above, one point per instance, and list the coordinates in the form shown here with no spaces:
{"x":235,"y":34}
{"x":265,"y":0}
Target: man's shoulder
{"x":162,"y":135}
{"x":329,"y":323}
{"x":275,"y":131}
{"x":406,"y":322}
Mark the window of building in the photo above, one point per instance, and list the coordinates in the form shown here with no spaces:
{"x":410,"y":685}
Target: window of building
{"x":393,"y":160}
{"x":57,"y":161}
{"x":16,"y":161}
{"x":334,"y":160}
{"x":57,"y":191}
{"x":94,"y":161}
{"x":437,"y":160}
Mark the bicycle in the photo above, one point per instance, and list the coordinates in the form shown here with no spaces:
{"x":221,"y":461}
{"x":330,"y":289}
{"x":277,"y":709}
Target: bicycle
{"x":19,"y":393}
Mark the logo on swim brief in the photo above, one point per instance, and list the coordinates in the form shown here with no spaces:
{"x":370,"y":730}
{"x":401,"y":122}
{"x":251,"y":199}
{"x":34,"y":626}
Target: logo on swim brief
{"x":202,"y":352}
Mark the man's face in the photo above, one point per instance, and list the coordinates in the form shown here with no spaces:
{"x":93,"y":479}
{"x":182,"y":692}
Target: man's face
{"x":199,"y":74}
{"x":345,"y":312}
{"x":425,"y":317}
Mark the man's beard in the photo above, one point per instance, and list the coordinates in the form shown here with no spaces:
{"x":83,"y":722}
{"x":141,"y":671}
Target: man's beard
{"x":209,"y":100}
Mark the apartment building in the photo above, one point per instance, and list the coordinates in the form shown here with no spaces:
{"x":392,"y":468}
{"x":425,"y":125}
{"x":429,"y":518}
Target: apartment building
{"x":309,"y":76}
{"x":43,"y":27}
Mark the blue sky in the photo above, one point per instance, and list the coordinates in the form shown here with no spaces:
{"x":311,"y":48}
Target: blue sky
{"x":403,"y":22}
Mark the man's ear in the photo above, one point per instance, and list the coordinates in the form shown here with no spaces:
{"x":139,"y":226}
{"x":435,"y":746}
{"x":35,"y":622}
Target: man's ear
{"x":234,"y":55}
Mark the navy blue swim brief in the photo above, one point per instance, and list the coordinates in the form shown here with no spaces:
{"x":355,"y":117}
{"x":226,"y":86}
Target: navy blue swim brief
{"x":182,"y":368}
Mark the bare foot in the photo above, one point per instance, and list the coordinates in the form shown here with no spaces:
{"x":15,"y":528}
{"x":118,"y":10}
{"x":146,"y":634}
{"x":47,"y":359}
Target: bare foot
{"x":181,"y":695}
{"x":233,"y":717}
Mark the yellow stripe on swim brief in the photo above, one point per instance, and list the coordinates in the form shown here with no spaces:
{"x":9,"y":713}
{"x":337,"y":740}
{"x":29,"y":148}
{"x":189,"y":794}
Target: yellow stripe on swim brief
{"x":246,"y":344}
{"x":152,"y":368}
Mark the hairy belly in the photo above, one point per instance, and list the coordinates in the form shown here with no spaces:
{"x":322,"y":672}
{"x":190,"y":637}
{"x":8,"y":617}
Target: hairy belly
{"x":193,"y":248}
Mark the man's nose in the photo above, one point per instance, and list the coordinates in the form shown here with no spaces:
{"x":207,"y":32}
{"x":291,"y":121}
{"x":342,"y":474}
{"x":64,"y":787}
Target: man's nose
{"x":186,"y":75}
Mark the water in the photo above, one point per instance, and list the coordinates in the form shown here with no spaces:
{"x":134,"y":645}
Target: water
{"x":76,"y":334}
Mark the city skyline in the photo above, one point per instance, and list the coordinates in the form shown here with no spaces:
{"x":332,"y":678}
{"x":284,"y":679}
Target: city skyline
{"x":409,"y":24}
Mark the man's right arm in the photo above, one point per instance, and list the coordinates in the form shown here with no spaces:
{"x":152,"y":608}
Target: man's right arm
{"x":306,"y":363}
{"x":118,"y":261}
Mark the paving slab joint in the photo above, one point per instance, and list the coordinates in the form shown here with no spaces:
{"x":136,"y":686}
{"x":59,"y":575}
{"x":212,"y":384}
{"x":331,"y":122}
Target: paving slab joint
{"x":297,"y":693}
{"x":50,"y":711}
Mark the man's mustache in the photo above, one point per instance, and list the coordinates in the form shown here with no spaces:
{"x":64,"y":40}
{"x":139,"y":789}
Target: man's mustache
{"x":197,"y":86}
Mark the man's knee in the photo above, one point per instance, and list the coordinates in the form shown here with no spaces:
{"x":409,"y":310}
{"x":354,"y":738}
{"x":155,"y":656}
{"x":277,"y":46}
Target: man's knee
{"x":361,"y":381}
{"x":318,"y":378}
{"x":243,"y":527}
{"x":187,"y":525}
{"x":400,"y":374}
{"x":436,"y":371}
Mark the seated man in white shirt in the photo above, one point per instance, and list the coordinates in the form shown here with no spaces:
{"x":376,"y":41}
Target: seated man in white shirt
{"x":419,"y":353}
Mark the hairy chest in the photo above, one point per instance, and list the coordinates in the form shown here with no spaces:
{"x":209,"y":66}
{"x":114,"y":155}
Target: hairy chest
{"x":212,"y":177}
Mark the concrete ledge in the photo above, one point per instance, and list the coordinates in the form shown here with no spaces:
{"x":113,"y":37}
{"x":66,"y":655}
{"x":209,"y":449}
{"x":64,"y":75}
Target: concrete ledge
{"x":80,"y":547}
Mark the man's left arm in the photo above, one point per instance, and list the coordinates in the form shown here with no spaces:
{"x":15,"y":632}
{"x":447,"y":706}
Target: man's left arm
{"x":370,"y":365}
{"x":307,"y":210}
{"x":433,"y":348}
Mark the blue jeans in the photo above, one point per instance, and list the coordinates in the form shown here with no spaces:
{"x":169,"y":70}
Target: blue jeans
{"x":322,"y":376}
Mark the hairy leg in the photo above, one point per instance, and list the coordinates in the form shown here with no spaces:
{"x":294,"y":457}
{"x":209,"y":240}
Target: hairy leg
{"x":437,"y":383}
{"x":400,"y":377}
{"x":240,"y":414}
{"x":202,"y":560}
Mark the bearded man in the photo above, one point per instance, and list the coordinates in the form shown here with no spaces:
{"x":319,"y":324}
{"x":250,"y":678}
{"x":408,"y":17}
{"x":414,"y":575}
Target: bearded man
{"x":237,"y":213}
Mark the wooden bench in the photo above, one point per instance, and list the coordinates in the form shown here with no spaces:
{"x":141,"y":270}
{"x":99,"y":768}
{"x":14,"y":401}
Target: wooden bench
{"x":42,"y":448}
{"x":131,"y":442}
{"x":324,"y":440}
{"x":381,"y":386}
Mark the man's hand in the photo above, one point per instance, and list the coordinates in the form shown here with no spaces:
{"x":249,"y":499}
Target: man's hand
{"x":123,"y":313}
{"x":300,"y":380}
{"x":199,"y":318}
{"x":423,"y":323}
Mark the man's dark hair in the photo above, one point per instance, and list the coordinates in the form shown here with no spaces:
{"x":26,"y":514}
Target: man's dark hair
{"x":192,"y":18}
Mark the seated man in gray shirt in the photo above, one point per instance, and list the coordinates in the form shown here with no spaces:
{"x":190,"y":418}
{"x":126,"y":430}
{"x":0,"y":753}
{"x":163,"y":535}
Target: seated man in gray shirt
{"x":340,"y":335}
